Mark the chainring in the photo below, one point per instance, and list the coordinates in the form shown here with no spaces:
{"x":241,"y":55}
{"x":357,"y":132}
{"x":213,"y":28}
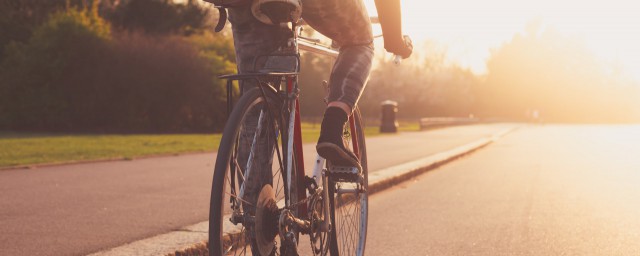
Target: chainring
{"x":319,"y":238}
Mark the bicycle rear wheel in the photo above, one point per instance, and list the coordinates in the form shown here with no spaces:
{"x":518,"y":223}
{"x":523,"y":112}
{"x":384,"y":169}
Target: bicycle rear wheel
{"x":348,"y":201}
{"x":250,"y":156}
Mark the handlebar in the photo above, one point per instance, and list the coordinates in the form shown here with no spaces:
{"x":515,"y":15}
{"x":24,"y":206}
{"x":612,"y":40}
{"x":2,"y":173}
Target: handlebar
{"x":313,"y":44}
{"x":397,"y":58}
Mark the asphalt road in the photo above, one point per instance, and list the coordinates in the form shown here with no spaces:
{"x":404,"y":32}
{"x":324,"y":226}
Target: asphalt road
{"x":545,"y":190}
{"x":84,"y":208}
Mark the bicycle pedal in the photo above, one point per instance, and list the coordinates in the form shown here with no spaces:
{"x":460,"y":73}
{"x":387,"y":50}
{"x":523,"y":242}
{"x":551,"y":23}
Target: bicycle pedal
{"x":344,"y":173}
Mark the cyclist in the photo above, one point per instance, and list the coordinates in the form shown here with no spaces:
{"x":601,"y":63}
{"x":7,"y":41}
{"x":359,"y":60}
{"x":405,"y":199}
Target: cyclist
{"x":348,"y":24}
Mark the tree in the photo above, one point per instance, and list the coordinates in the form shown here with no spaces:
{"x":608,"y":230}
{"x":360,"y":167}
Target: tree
{"x":315,"y":70}
{"x":32,"y":71}
{"x":18,"y":18}
{"x":159,"y":16}
{"x":422,"y":85}
{"x":554,"y":74}
{"x":74,"y":75}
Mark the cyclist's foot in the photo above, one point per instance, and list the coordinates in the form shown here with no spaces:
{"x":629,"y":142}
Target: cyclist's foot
{"x":330,"y":144}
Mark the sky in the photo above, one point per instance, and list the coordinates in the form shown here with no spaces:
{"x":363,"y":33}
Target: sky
{"x":469,"y":29}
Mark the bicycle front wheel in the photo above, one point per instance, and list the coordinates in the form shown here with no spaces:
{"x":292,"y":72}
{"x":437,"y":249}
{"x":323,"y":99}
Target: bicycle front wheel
{"x":348,"y":201}
{"x":250,"y":157}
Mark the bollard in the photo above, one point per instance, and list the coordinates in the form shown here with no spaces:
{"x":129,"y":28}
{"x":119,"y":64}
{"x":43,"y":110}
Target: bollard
{"x":389,"y":123}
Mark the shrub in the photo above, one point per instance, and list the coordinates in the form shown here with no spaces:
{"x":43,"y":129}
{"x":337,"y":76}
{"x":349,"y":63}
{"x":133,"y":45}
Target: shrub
{"x":73,"y":75}
{"x":160,"y":85}
{"x":33,"y":92}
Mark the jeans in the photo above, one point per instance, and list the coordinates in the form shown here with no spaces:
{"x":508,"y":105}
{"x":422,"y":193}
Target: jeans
{"x":346,"y":22}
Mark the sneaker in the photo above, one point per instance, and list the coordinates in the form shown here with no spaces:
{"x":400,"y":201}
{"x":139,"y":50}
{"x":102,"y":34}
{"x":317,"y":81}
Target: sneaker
{"x":337,"y":155}
{"x":330,"y":144}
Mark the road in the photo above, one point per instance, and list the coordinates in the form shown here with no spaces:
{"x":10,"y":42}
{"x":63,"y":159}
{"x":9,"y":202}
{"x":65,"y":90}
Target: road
{"x":545,"y":190}
{"x":84,"y":208}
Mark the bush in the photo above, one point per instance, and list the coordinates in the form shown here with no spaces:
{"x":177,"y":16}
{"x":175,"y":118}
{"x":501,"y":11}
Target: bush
{"x":73,"y":75}
{"x":33,"y":92}
{"x":160,"y":85}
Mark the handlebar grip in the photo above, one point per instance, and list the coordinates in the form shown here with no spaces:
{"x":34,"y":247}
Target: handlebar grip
{"x":397,"y":59}
{"x":407,"y":39}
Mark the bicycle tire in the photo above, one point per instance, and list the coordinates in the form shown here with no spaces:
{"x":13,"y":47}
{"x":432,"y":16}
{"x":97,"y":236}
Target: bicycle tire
{"x":346,"y":238}
{"x":221,"y":243}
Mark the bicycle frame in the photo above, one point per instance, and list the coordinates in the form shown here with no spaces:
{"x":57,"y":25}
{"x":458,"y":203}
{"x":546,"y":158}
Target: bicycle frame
{"x":295,"y":137}
{"x":313,"y":46}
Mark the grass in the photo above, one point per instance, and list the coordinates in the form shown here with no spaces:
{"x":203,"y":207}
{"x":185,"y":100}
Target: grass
{"x":27,"y":149}
{"x":19,"y":149}
{"x":311,"y":132}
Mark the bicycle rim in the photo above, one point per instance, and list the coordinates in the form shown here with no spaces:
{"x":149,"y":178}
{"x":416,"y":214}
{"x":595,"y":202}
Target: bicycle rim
{"x":349,"y":209}
{"x":242,"y":168}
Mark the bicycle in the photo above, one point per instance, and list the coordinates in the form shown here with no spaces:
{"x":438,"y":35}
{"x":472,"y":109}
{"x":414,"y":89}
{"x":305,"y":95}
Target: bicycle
{"x":250,"y":208}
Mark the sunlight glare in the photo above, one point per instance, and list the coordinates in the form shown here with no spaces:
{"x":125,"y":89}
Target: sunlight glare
{"x":470,"y":29}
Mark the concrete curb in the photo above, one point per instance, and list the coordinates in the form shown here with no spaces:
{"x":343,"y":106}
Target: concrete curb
{"x":191,"y":240}
{"x":386,"y":178}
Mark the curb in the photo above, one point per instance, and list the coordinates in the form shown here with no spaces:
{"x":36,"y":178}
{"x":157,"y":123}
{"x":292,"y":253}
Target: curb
{"x":191,"y":240}
{"x":386,"y":178}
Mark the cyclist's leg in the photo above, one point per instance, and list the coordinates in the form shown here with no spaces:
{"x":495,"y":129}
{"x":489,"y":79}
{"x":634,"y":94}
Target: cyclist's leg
{"x":347,"y":81}
{"x":347,"y":23}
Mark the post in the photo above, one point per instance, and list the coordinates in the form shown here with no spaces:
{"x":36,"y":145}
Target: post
{"x":389,"y":124}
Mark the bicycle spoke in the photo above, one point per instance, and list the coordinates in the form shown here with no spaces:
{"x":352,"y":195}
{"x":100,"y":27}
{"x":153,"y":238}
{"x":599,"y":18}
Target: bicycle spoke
{"x":348,"y":219}
{"x":350,"y":202}
{"x":280,"y":190}
{"x":244,"y":250}
{"x":346,"y":237}
{"x":255,"y":157}
{"x":244,"y":247}
{"x":355,"y":222}
{"x":235,"y":160}
{"x":242,"y":200}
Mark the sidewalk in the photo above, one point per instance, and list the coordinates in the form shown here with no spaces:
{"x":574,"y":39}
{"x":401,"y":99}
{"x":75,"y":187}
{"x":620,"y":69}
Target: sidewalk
{"x":84,"y":208}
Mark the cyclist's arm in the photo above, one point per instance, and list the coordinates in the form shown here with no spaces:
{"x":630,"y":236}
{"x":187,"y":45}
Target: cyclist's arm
{"x":390,"y":17}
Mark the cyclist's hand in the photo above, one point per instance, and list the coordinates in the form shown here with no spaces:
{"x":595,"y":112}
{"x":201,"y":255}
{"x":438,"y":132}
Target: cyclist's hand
{"x":402,"y":47}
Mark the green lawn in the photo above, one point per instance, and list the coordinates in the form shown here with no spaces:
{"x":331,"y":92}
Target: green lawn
{"x":25,"y":149}
{"x":17,"y":149}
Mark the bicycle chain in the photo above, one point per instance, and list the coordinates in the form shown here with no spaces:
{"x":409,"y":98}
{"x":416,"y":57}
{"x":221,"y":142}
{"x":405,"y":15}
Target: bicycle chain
{"x":290,"y":207}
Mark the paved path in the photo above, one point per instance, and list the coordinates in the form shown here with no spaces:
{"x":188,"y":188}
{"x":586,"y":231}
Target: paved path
{"x":83,"y":208}
{"x":549,"y":190}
